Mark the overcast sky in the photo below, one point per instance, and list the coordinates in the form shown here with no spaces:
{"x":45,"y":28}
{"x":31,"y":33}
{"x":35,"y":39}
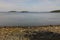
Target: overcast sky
{"x":29,"y":5}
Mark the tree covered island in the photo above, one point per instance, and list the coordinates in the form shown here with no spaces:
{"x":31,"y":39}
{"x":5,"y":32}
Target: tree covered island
{"x":56,"y":11}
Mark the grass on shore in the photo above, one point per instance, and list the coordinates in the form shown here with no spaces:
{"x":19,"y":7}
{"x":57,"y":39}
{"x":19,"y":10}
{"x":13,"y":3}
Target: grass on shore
{"x":28,"y":33}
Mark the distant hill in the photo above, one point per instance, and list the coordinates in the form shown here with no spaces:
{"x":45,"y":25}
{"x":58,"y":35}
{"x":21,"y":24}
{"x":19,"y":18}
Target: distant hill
{"x":56,"y":11}
{"x":12,"y":11}
{"x":20,"y":11}
{"x":24,"y":11}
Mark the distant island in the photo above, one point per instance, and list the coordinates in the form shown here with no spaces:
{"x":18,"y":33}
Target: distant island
{"x":55,"y":11}
{"x":12,"y":11}
{"x":24,"y":11}
{"x":20,"y":11}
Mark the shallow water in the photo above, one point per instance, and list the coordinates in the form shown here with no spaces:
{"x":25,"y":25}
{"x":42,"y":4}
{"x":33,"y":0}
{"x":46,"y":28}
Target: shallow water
{"x":29,"y":19}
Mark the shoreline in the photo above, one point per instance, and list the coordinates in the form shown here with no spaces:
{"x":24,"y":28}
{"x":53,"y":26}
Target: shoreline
{"x":29,"y":33}
{"x":50,"y":28}
{"x":27,"y":26}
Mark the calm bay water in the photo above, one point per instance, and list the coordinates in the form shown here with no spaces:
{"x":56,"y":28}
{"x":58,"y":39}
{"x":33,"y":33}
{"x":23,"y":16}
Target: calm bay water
{"x":29,"y":19}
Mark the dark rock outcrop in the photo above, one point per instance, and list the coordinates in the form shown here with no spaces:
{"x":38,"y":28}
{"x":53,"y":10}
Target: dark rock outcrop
{"x":43,"y":36}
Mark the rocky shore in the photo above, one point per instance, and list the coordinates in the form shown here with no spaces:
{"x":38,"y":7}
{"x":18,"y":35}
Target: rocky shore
{"x":30,"y":33}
